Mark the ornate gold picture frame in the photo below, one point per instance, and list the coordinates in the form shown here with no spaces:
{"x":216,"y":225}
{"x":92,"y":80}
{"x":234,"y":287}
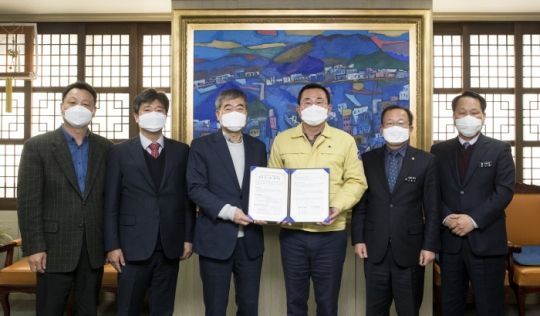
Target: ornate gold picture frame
{"x":388,"y":62}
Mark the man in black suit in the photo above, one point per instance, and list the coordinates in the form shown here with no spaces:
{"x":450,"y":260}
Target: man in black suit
{"x":227,"y":241}
{"x":60,"y":206}
{"x":149,"y":219}
{"x":477,"y":183}
{"x":395,"y":226}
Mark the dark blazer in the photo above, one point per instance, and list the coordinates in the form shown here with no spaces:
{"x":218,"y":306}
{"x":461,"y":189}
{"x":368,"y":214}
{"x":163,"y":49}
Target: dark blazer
{"x":135,"y":210}
{"x":52,"y":212}
{"x":212,"y":184}
{"x":487,"y":190}
{"x":409,"y":217}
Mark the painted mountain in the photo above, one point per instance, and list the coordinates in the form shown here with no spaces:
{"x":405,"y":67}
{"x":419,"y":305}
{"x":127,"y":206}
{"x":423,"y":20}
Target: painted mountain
{"x":309,"y":57}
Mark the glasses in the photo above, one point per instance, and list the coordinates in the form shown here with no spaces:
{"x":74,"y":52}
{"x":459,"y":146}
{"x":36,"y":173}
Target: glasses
{"x":399,"y":123}
{"x":309,"y":103}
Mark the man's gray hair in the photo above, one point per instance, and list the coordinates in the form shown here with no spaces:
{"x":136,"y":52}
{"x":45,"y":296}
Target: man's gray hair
{"x":230,"y":94}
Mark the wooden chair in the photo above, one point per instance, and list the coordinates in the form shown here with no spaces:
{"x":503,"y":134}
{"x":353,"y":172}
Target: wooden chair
{"x":522,"y":223}
{"x":18,"y":278}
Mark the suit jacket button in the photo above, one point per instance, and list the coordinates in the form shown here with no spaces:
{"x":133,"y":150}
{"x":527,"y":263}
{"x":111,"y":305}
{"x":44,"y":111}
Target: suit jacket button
{"x":157,"y":217}
{"x":241,"y":197}
{"x":462,"y":192}
{"x":80,"y":225}
{"x":391,"y":205}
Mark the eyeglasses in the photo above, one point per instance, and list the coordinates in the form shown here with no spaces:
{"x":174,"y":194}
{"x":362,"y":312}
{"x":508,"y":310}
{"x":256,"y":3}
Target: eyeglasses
{"x":399,"y":123}
{"x":309,"y":103}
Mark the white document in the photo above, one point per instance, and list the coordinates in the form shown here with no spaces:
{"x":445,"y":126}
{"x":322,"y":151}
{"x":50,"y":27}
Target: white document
{"x":289,"y":195}
{"x":268,"y":194}
{"x":310,"y":195}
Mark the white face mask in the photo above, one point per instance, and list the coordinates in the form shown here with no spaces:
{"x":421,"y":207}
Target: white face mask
{"x":314,"y":115}
{"x":78,"y":116}
{"x":395,"y":135}
{"x":153,"y":121}
{"x":233,"y":121}
{"x":469,"y":125}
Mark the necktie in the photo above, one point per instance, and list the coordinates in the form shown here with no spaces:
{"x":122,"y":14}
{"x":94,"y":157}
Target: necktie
{"x":466,"y":145}
{"x":392,"y":170}
{"x":155,"y":149}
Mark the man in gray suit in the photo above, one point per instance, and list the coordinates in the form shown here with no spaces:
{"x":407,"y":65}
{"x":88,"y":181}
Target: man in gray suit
{"x":60,"y":207}
{"x":149,"y":219}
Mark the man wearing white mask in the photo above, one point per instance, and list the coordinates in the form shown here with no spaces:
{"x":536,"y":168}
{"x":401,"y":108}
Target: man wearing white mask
{"x":60,"y":206}
{"x":477,"y":183}
{"x":227,"y":241}
{"x":317,"y":250}
{"x":149,"y":219}
{"x":395,"y":227}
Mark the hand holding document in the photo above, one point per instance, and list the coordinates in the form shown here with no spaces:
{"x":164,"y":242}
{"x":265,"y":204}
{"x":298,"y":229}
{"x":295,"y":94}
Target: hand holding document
{"x":289,"y":195}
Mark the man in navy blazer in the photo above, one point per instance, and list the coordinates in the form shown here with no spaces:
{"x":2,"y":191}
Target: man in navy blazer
{"x":477,"y":176}
{"x":149,"y":219}
{"x":227,"y":241}
{"x":395,"y":226}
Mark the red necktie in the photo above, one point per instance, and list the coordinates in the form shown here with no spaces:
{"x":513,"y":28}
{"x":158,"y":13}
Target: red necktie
{"x":155,"y":149}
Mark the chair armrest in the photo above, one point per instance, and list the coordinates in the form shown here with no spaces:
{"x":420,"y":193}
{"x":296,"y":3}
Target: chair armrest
{"x":19,"y":241}
{"x":8,"y":248}
{"x":512,"y":248}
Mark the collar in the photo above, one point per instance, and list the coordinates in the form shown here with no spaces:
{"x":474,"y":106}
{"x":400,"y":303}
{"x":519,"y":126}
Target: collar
{"x":145,"y":142}
{"x":472,"y":141}
{"x":401,"y":150}
{"x":70,"y":138}
{"x":299,"y":131}
{"x":229,"y":140}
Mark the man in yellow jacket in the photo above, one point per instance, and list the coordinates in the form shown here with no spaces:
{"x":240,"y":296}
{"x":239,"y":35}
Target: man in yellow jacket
{"x":317,"y":250}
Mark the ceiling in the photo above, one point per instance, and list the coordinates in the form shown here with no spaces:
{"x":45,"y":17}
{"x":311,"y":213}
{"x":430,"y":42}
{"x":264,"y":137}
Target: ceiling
{"x":22,"y":7}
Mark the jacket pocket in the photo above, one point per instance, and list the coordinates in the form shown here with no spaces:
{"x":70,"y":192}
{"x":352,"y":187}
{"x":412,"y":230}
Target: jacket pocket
{"x":127,"y":220}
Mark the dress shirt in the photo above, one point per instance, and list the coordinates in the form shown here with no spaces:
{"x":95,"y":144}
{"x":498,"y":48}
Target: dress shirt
{"x":79,"y":156}
{"x":145,"y":142}
{"x":387,"y":156}
{"x":472,"y":141}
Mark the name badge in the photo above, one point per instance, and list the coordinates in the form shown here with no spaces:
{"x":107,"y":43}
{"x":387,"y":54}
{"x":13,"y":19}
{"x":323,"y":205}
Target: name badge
{"x":410,"y":179}
{"x":485,"y":164}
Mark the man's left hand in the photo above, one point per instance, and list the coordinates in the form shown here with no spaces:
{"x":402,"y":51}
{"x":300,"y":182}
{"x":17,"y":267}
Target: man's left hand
{"x":426,"y":257}
{"x":188,"y":251}
{"x":463,"y":224}
{"x":334,"y":213}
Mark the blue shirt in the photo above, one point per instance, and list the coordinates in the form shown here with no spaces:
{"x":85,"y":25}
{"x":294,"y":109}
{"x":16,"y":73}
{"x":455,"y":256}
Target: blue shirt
{"x":387,"y":156}
{"x":79,"y":155}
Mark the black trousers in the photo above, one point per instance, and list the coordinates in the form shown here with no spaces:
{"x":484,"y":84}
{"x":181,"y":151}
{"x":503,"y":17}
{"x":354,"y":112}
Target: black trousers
{"x":52,"y":289}
{"x":158,"y":275}
{"x":319,"y":256}
{"x":216,"y":279}
{"x":486,"y":274}
{"x":387,"y":281}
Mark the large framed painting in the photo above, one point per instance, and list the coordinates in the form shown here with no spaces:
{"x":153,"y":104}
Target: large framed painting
{"x":367,"y":60}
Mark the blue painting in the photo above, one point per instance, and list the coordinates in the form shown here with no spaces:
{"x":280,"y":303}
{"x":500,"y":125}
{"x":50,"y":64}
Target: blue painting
{"x":364,"y":71}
